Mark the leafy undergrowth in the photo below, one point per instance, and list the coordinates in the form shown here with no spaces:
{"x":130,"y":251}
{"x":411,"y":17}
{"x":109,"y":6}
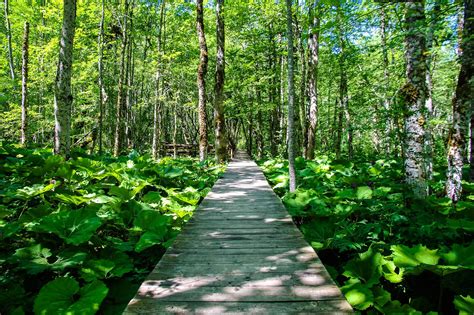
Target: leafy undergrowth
{"x":389,"y":253}
{"x":79,"y":236}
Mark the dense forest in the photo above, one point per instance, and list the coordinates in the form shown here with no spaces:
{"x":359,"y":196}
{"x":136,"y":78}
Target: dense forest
{"x":117,"y":116}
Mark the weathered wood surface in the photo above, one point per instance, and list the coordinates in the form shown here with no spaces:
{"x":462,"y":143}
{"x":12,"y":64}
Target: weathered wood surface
{"x":239,"y":254}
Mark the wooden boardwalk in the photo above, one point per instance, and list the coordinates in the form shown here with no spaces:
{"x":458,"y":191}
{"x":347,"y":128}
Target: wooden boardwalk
{"x":240,"y":253}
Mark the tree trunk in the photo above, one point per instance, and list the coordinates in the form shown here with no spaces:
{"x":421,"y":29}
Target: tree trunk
{"x":221,"y":138}
{"x":63,"y":96}
{"x":414,"y":93}
{"x":9,"y":41}
{"x":102,"y":96}
{"x":343,"y":93}
{"x":121,"y":108}
{"x":313,"y":59}
{"x":386,"y":77}
{"x":291,"y":99}
{"x":24,"y":86}
{"x":462,"y":105}
{"x":201,"y":81}
{"x":156,"y":107}
{"x":428,"y":145}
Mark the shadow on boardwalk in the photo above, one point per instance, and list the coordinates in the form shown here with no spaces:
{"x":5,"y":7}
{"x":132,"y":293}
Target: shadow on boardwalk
{"x":240,"y":253}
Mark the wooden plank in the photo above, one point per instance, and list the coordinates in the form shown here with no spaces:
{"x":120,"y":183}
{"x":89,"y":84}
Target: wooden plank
{"x":240,"y":293}
{"x":188,"y":270}
{"x":235,"y":251}
{"x":233,"y":231}
{"x":255,"y":258}
{"x":148,"y":306}
{"x":241,"y":237}
{"x":277,"y":243}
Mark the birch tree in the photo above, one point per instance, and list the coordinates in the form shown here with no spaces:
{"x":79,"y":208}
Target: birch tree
{"x":291,"y":98}
{"x":414,"y":93}
{"x":9,"y":40}
{"x":24,"y":85}
{"x":463,"y":102}
{"x":201,"y":81}
{"x":121,"y":107}
{"x":219,"y":119}
{"x":63,"y":96}
{"x":156,"y":106}
{"x":313,"y":59}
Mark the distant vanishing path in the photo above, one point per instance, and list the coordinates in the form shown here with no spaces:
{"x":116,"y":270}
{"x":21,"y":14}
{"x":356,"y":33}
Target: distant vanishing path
{"x":240,"y":253}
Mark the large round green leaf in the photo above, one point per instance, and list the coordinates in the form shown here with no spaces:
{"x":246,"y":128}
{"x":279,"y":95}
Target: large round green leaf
{"x":74,"y":226}
{"x":63,"y":296}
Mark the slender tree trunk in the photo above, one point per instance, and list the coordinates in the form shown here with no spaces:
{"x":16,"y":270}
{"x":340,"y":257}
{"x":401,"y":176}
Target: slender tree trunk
{"x":201,"y":81}
{"x":129,"y":91}
{"x":260,"y":131}
{"x":175,"y":131}
{"x":414,"y":93}
{"x":156,"y":107}
{"x":24,"y":86}
{"x":273,"y":95}
{"x":291,"y":98}
{"x":462,"y":105}
{"x":121,"y":108}
{"x":313,"y":59}
{"x":101,"y":75}
{"x":386,"y":76}
{"x":428,"y":144}
{"x":343,"y":93}
{"x":63,"y":96}
{"x":221,"y":137}
{"x":9,"y":41}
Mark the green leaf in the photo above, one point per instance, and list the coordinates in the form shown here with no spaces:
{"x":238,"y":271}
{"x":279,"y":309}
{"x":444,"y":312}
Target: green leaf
{"x":364,"y":192}
{"x":345,"y":193}
{"x":152,"y":221}
{"x":297,"y":201}
{"x":148,"y":239}
{"x":460,"y":256}
{"x":95,"y":269}
{"x":318,"y":231}
{"x":122,"y":262}
{"x":411,"y":257}
{"x":74,"y":226}
{"x":358,"y":295}
{"x":367,"y":267}
{"x":464,"y":304}
{"x":189,"y":195}
{"x":467,"y":225}
{"x":155,"y":226}
{"x":152,"y":197}
{"x":381,"y":297}
{"x":120,"y":192}
{"x":8,"y":229}
{"x":58,"y":297}
{"x":395,"y":307}
{"x":35,"y":190}
{"x":68,"y":258}
{"x":389,"y":272}
{"x":71,"y":199}
{"x":33,"y":259}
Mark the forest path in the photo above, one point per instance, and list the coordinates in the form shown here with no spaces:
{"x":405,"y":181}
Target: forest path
{"x":240,"y":253}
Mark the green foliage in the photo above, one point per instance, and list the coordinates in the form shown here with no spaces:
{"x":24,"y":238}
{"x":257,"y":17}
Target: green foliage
{"x":76,"y":227}
{"x":379,"y":248}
